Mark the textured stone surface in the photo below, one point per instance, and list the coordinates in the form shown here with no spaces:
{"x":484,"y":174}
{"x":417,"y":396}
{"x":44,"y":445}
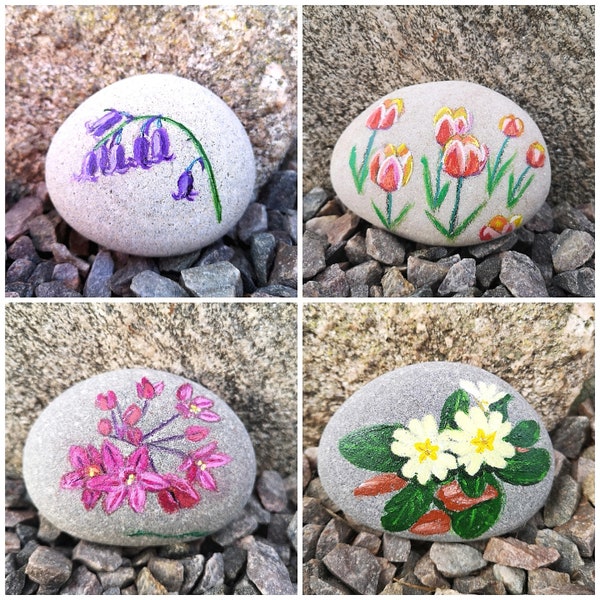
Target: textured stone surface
{"x":149,"y":284}
{"x":104,"y":430}
{"x":355,"y":566}
{"x":48,"y":566}
{"x":339,"y":55}
{"x":97,"y":556}
{"x":571,"y":249}
{"x":456,"y":560}
{"x":267,"y":571}
{"x":382,"y":482}
{"x":346,"y":346}
{"x":73,"y":342}
{"x":205,"y":44}
{"x":515,"y":553}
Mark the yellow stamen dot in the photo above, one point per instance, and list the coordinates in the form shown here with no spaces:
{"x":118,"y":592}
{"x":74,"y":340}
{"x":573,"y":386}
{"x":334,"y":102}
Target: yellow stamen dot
{"x":194,"y":408}
{"x":427,"y":450}
{"x":201,"y":465}
{"x":93,"y":471}
{"x":130,"y":479}
{"x":483,"y":442}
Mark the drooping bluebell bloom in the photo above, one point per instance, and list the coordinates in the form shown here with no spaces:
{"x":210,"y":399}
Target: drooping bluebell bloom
{"x":89,"y":168}
{"x":103,"y":160}
{"x":185,"y":187}
{"x":118,"y":161}
{"x":99,"y":127}
{"x":141,"y":149}
{"x":159,"y":144}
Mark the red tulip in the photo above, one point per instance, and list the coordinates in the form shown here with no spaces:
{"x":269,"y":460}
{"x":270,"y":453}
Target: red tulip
{"x":385,"y":114}
{"x":464,"y":156}
{"x":511,"y":126}
{"x":536,"y":155}
{"x":391,"y":167}
{"x":450,"y":122}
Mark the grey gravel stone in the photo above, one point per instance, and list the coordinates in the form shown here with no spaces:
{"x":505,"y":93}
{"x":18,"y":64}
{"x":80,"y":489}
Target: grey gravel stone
{"x":47,"y":531}
{"x":215,"y":253}
{"x":580,"y":529}
{"x":539,"y":580}
{"x":332,"y":282}
{"x":26,"y":533}
{"x":313,"y":254}
{"x":335,"y":532}
{"x":271,"y":491}
{"x":149,"y":284}
{"x":310,"y":538}
{"x":395,"y":548}
{"x":455,"y":560}
{"x":428,"y":574}
{"x":422,"y":272}
{"x":213,"y":576}
{"x":266,"y":570}
{"x":254,"y":220}
{"x":280,"y":193}
{"x":542,"y":221}
{"x":459,"y":278}
{"x":571,"y":250}
{"x":111,"y":591}
{"x":55,"y":289}
{"x":82,"y":582}
{"x":367,"y":273}
{"x":570,"y":435}
{"x":367,"y":540}
{"x":121,"y":279}
{"x":218,"y":280}
{"x":580,"y":282}
{"x":569,"y":217}
{"x":483,"y":583}
{"x":148,"y":585}
{"x":395,"y":285}
{"x":22,"y":248}
{"x":14,"y":582}
{"x":515,"y":553}
{"x":488,"y":271}
{"x":234,"y":559}
{"x":62,"y":254}
{"x":97,"y":284}
{"x":262,"y":253}
{"x":122,"y":577}
{"x":192,"y":569}
{"x":384,"y":247}
{"x":68,"y":274}
{"x":20,"y":270}
{"x":17,"y":218}
{"x":47,"y":566}
{"x":496,"y":246}
{"x":562,"y":501}
{"x":356,"y":249}
{"x":176,"y":264}
{"x":169,"y":572}
{"x":569,"y":560}
{"x":97,"y":556}
{"x":43,"y":233}
{"x":312,"y":202}
{"x":240,"y":527}
{"x":355,"y":566}
{"x":24,"y":554}
{"x":521,"y":276}
{"x":512,"y":578}
{"x":285,"y":269}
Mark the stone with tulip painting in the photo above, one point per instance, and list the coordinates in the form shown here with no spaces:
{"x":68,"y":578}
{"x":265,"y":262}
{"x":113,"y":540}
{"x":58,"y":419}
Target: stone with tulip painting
{"x":437,"y":451}
{"x":152,"y":165}
{"x":138,"y":457}
{"x":447,"y":163}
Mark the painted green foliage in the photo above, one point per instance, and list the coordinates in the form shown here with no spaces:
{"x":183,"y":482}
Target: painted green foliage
{"x":448,"y":474}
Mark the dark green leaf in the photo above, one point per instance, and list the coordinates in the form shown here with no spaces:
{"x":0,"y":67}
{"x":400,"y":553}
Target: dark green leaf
{"x":401,"y":216}
{"x":475,"y":521}
{"x":442,"y":195}
{"x":370,"y":448}
{"x":352,"y":163}
{"x":459,"y":400}
{"x":472,"y":486}
{"x":489,"y":179}
{"x":427,"y":182}
{"x":380,"y":215}
{"x":438,"y":225}
{"x":524,"y":434}
{"x":526,"y":468}
{"x":405,"y":508}
{"x":502,"y":171}
{"x":468,"y":220}
{"x":520,"y":194}
{"x":509,"y":195}
{"x":501,"y":406}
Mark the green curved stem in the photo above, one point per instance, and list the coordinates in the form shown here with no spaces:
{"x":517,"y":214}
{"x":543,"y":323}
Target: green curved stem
{"x":161,"y":535}
{"x":197,"y":145}
{"x":454,"y":215}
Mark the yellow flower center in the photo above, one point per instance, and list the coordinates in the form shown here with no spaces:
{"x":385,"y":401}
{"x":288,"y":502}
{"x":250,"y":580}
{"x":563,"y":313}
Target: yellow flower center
{"x":93,"y":471}
{"x":426,"y":450}
{"x":194,"y":408}
{"x":483,"y":442}
{"x":130,"y":479}
{"x":201,"y":465}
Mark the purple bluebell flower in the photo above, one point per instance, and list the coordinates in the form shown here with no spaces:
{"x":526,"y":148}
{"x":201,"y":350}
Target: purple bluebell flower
{"x":104,"y":160}
{"x":159,"y":144}
{"x":185,"y":187}
{"x":118,"y":161}
{"x":141,"y":149}
{"x":89,"y":168}
{"x":99,"y":127}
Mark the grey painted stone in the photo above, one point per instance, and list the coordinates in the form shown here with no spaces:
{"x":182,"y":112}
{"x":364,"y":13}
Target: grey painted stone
{"x":385,"y":462}
{"x":147,"y":186}
{"x":447,"y":163}
{"x":138,"y":457}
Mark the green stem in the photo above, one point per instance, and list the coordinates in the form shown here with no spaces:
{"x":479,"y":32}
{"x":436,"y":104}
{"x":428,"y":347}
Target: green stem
{"x":438,"y":176}
{"x":364,"y":169}
{"x":499,"y":157}
{"x":520,"y":180}
{"x":175,"y":536}
{"x":388,"y":207}
{"x":454,"y":215}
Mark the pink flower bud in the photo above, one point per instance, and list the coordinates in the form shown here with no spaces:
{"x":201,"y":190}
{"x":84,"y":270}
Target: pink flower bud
{"x":195,"y":433}
{"x":104,"y":427}
{"x":132,"y":414}
{"x":106,"y":401}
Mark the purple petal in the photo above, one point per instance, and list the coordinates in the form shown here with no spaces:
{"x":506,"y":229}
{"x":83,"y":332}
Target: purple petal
{"x":159,"y":387}
{"x":99,"y":127}
{"x":183,"y":410}
{"x":209,"y":416}
{"x":206,"y":480}
{"x":153,"y":482}
{"x":89,"y":168}
{"x":186,"y":464}
{"x":95,"y":456}
{"x":112,"y":459}
{"x":185,"y":190}
{"x":205,"y":451}
{"x":160,"y":145}
{"x":202,"y":402}
{"x":138,"y":459}
{"x":141,"y":147}
{"x":78,"y":457}
{"x":137,"y":498}
{"x":105,"y":483}
{"x":72,"y":480}
{"x":114,"y":499}
{"x":104,"y":161}
{"x":217,"y":460}
{"x":184,"y":392}
{"x":90,"y":498}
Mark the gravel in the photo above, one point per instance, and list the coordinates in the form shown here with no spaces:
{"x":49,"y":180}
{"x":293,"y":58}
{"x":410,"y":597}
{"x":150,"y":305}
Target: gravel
{"x":257,"y":558}
{"x":543,"y":557}
{"x":257,"y":258}
{"x":551,"y":256}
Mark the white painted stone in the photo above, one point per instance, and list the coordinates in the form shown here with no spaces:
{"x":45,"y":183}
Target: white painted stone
{"x":132,"y":208}
{"x":138,"y":457}
{"x":381,"y":162}
{"x":403,"y":453}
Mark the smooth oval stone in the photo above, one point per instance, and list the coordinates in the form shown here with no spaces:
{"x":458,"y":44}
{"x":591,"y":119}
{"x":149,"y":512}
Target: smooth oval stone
{"x":437,"y":451}
{"x":152,"y":165}
{"x":447,"y":163}
{"x":138,"y":457}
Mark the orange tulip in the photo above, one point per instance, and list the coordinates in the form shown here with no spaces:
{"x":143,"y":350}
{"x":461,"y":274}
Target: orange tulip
{"x":391,"y":167}
{"x":464,"y":156}
{"x":498,"y":226}
{"x":536,"y":155}
{"x":450,"y":122}
{"x":385,"y":114}
{"x":511,"y":126}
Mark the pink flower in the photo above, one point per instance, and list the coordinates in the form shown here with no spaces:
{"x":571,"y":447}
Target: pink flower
{"x":104,"y":427}
{"x":198,"y":463}
{"x":134,"y":435}
{"x":464,"y":156}
{"x":88,"y":466}
{"x":147,"y":390}
{"x":498,"y":226}
{"x":194,"y":407}
{"x":132,"y":414}
{"x":106,"y":401}
{"x":195,"y":433}
{"x":391,"y":167}
{"x":126,"y":479}
{"x":385,"y":114}
{"x":179,"y":494}
{"x":450,"y":122}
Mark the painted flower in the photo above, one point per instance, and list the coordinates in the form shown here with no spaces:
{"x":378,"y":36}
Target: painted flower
{"x":126,"y":479}
{"x":132,"y":414}
{"x":195,"y":433}
{"x":197,"y":407}
{"x":536,"y":155}
{"x":102,"y":125}
{"x":425,"y":448}
{"x":391,"y":167}
{"x":511,"y":126}
{"x":89,"y":168}
{"x":88,"y":465}
{"x":449,"y":123}
{"x":105,"y":427}
{"x":479,"y":441}
{"x":198,"y":464}
{"x":117,"y":160}
{"x":180,"y":494}
{"x":159,"y":145}
{"x":185,"y":187}
{"x":483,"y":393}
{"x":134,"y":435}
{"x":385,"y":114}
{"x":106,"y":401}
{"x":464,"y":156}
{"x":498,"y":226}
{"x":147,"y":390}
{"x":141,"y":151}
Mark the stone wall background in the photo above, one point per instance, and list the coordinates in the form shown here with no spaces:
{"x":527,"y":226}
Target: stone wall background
{"x":245,"y":353}
{"x":542,"y":57}
{"x":545,"y":351}
{"x":57,"y":56}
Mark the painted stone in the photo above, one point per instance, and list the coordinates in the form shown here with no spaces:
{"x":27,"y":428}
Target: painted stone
{"x":138,"y":457}
{"x":437,"y":451}
{"x":152,"y":165}
{"x":447,"y":163}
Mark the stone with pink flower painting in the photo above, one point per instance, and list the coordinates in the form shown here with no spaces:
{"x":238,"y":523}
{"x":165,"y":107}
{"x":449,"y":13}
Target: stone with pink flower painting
{"x":447,"y":163}
{"x":139,"y":457}
{"x":152,"y":165}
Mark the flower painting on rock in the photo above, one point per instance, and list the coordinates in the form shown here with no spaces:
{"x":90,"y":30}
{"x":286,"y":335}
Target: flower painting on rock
{"x":446,"y":473}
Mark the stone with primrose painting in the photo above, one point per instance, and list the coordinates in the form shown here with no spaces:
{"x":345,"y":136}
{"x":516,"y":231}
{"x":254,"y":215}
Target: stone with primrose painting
{"x":437,"y":451}
{"x":447,"y":163}
{"x":138,"y":457}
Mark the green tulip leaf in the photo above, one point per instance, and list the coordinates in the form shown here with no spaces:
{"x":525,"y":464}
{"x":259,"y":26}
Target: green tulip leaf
{"x":524,"y":434}
{"x":526,"y":468}
{"x":405,"y":508}
{"x":457,"y":401}
{"x":472,"y":486}
{"x":501,"y":406}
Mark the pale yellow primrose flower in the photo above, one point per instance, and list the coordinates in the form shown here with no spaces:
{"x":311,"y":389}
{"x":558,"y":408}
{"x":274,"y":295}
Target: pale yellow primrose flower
{"x":479,"y":440}
{"x":426,"y":449}
{"x":484,"y":393}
